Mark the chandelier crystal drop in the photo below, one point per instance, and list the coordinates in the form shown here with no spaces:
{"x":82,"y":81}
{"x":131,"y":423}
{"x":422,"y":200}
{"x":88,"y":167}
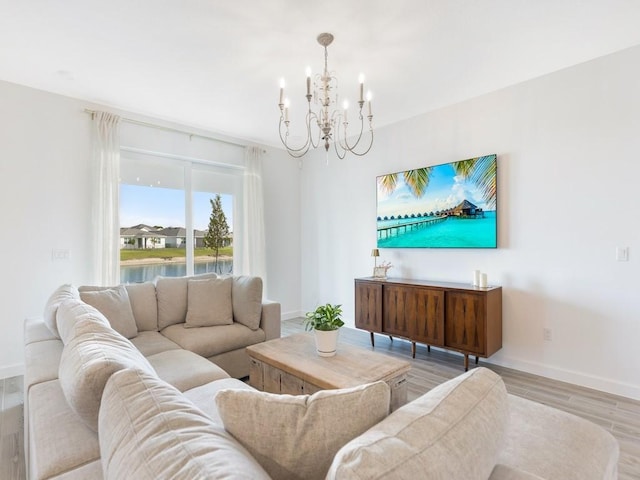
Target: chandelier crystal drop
{"x":329,"y":123}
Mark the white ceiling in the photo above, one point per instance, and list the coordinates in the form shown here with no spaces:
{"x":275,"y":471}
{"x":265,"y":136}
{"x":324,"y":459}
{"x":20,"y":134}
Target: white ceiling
{"x":216,"y":64}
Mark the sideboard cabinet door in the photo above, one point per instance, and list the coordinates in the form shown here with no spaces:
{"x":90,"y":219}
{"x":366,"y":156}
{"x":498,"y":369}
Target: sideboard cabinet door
{"x":369,"y":306}
{"x":426,"y":324}
{"x":397,"y":304}
{"x":465,"y":322}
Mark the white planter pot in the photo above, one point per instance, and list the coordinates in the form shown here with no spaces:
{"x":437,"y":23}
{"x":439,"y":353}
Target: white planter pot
{"x":326,"y":342}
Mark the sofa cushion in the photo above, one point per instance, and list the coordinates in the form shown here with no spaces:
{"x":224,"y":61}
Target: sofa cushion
{"x":150,"y":343}
{"x":87,"y":362}
{"x":504,"y":472}
{"x":59,"y":440}
{"x":70,"y":312}
{"x":142,"y":297}
{"x":202,"y":396}
{"x":184,"y":369}
{"x":149,"y":430}
{"x":247,"y":300}
{"x":35,"y":330}
{"x":171,"y":293}
{"x":172,"y":300}
{"x":537,"y":439}
{"x":211,"y":341}
{"x":454,"y":431}
{"x":41,"y":360}
{"x":60,"y":294}
{"x":114,"y":304}
{"x":297,"y":436}
{"x":144,"y":305}
{"x":92,"y":470}
{"x":209,"y":302}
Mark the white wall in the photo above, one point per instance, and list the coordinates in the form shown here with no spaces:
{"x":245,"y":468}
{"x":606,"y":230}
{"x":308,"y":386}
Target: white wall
{"x":568,"y":167}
{"x":281,"y":180}
{"x":45,"y":149}
{"x":44,"y":173}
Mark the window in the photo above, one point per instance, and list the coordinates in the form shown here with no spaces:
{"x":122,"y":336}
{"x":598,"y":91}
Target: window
{"x":165,"y":207}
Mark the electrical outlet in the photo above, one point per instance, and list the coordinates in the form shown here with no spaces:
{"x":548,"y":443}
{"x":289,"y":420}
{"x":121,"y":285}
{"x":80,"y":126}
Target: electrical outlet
{"x":547,"y":334}
{"x":60,"y":254}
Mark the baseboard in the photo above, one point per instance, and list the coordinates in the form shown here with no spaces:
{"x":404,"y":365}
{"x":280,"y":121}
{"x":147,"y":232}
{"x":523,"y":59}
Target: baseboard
{"x":577,"y":378}
{"x":11,"y":371}
{"x":292,"y":315}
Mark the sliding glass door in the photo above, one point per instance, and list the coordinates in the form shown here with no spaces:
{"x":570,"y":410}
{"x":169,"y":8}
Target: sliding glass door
{"x":177,"y":217}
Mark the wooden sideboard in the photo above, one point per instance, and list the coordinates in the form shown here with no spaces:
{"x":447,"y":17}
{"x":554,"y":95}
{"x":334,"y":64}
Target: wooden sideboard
{"x":454,"y":316}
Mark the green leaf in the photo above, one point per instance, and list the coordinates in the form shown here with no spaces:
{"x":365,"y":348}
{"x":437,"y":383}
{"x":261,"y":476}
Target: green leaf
{"x":325,"y":317}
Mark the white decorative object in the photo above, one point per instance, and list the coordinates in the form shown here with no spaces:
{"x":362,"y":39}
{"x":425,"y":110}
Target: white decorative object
{"x":326,"y":342}
{"x":476,"y":278}
{"x":381,"y":271}
{"x":483,"y":280}
{"x":329,"y":122}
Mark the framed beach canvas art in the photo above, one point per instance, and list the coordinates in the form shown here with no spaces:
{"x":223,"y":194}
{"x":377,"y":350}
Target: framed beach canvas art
{"x":453,"y":205}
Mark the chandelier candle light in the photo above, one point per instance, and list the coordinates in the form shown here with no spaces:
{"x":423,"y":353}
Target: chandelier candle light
{"x":331,"y":122}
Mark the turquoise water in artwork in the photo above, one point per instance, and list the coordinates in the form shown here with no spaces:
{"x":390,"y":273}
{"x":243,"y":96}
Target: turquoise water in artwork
{"x":450,"y":232}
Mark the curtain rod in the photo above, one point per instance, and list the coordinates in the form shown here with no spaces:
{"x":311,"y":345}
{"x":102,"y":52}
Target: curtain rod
{"x":181,"y":157}
{"x":170,"y":129}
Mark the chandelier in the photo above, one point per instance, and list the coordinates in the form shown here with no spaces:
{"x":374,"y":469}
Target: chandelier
{"x":328,"y":123}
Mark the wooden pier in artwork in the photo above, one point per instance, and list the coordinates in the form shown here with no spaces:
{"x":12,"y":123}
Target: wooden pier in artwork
{"x":391,"y":231}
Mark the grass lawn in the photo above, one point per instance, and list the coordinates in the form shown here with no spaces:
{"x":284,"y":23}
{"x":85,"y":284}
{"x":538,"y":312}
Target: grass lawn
{"x":170,"y":253}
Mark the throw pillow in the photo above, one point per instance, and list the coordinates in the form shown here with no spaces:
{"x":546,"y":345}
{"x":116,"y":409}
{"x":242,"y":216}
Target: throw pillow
{"x":247,"y":301}
{"x":144,"y":303}
{"x":296,"y":437}
{"x":87,"y":362}
{"x":148,"y":430}
{"x":456,"y":430}
{"x":114,"y":304}
{"x":62,"y":293}
{"x":209,"y":302}
{"x":172,"y":298}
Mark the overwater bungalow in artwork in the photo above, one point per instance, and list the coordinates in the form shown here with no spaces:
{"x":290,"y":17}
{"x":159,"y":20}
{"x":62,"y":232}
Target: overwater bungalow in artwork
{"x":467,"y":209}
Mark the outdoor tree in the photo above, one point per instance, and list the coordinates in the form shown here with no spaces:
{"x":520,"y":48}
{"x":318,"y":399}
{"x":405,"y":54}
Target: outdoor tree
{"x":218,"y":230}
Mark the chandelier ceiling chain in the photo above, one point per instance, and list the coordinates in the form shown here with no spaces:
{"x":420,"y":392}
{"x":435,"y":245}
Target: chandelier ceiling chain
{"x":329,"y":123}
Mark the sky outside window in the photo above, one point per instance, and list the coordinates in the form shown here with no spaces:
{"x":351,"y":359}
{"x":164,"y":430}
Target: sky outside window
{"x":165,"y":207}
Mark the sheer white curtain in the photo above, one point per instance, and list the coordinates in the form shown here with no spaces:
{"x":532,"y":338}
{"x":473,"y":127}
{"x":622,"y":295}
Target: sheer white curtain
{"x":105,"y":188}
{"x":253,"y":241}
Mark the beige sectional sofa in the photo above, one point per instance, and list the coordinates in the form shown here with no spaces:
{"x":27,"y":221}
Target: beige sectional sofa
{"x":153,"y":315}
{"x":115,"y":413}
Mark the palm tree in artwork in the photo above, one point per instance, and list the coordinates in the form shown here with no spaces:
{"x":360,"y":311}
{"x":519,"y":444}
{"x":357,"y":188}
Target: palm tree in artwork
{"x":482,"y":172}
{"x":479,"y":170}
{"x":417,"y":180}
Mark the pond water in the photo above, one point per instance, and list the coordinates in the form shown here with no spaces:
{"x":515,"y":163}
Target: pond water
{"x":144,"y":273}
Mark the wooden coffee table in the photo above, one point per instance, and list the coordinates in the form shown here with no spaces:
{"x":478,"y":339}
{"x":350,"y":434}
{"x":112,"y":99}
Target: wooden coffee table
{"x":291,"y":365}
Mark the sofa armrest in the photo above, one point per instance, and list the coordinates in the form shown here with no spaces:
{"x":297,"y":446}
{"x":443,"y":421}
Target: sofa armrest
{"x":270,"y":319}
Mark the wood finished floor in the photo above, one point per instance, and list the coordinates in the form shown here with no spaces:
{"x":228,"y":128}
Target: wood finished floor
{"x":11,"y":430}
{"x":618,"y":415}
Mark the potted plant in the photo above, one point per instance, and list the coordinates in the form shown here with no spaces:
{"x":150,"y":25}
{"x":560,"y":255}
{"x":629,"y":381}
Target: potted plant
{"x":325,"y":322}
